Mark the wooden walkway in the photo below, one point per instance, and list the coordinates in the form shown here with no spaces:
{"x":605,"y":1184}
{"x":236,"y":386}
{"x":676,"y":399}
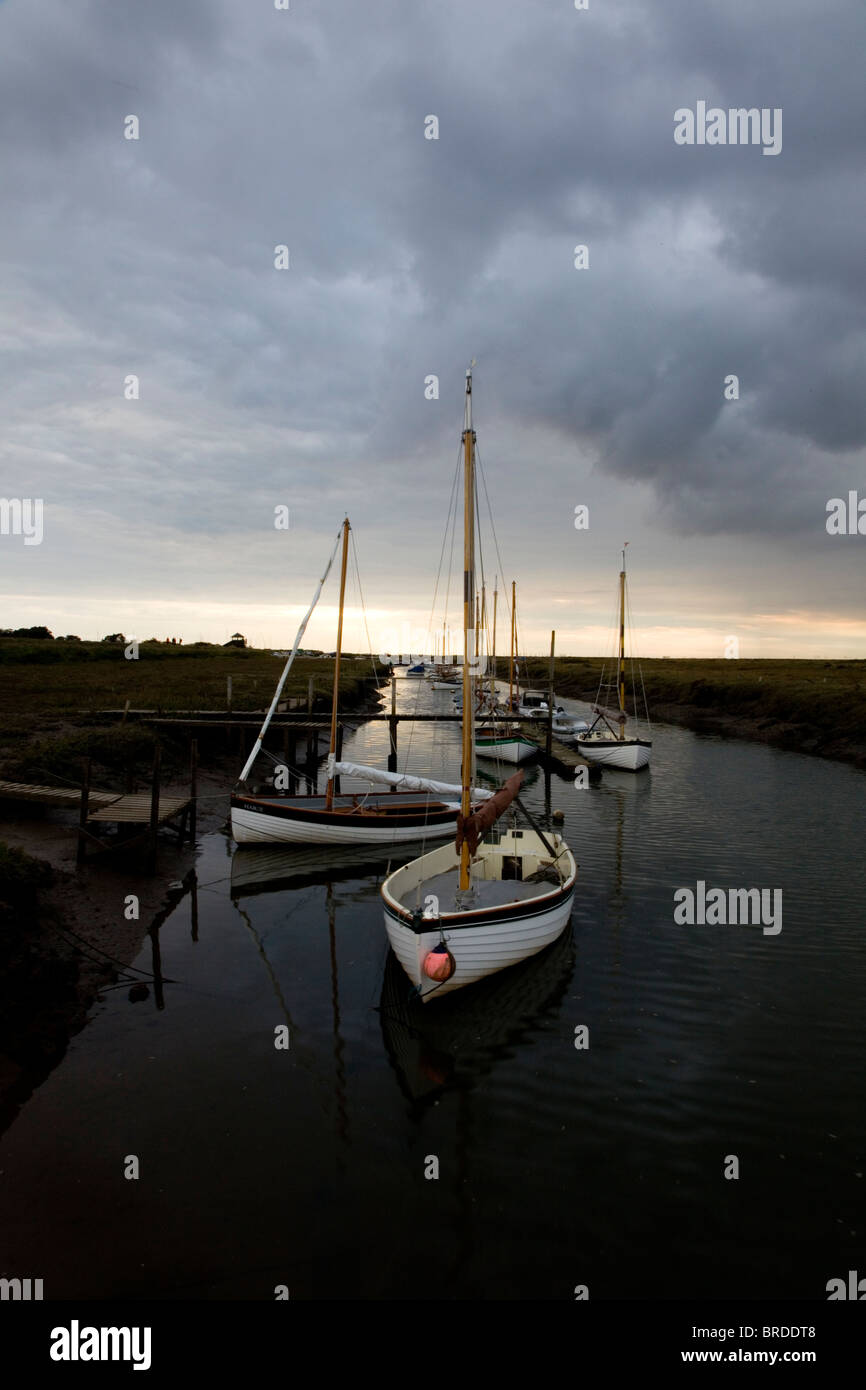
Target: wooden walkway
{"x":149,"y":810}
{"x":54,"y":796}
{"x":135,"y":809}
{"x":564,"y":754}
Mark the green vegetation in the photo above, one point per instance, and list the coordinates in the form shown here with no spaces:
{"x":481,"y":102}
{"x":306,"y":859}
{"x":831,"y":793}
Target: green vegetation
{"x":53,"y":693}
{"x":73,"y":681}
{"x":818,"y":706}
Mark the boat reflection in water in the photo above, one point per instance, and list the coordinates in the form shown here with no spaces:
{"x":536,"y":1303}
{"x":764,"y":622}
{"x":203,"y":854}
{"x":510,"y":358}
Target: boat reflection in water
{"x":268,"y":869}
{"x":449,"y":1047}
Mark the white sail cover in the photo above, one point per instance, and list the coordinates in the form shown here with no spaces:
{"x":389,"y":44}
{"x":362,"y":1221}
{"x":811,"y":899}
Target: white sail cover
{"x":401,"y":780}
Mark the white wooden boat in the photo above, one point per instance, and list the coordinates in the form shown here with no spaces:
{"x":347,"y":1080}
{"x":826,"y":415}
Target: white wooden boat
{"x":606,"y":740}
{"x":505,"y":920}
{"x":414,"y":808}
{"x":464,"y":911}
{"x":602,"y":746}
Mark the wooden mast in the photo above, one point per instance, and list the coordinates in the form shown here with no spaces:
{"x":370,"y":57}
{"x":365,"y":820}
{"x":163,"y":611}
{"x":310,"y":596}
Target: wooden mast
{"x":468,"y":607}
{"x":621,"y":672}
{"x":511,"y":661}
{"x":329,"y":792}
{"x":493,"y":654}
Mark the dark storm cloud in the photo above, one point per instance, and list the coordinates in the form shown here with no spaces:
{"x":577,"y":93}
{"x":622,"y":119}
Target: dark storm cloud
{"x":258,"y":127}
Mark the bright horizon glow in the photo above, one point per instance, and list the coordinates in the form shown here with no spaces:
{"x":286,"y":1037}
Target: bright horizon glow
{"x":803,"y":634}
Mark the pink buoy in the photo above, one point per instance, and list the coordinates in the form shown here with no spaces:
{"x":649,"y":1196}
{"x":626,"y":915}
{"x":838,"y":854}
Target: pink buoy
{"x":439,"y":964}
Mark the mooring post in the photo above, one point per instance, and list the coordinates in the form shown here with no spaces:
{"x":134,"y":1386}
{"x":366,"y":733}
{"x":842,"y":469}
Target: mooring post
{"x":392,"y":729}
{"x":193,"y":789}
{"x":310,"y":695}
{"x":549,"y":739}
{"x":229,"y":694}
{"x":292,"y":760}
{"x":338,"y":753}
{"x":154,"y":810}
{"x":83,"y":813}
{"x":125,"y":711}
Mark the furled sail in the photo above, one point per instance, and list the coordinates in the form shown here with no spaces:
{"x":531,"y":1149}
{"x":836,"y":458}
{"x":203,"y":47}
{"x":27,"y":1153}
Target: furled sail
{"x":401,"y":780}
{"x":471,"y":828}
{"x":616,"y":715}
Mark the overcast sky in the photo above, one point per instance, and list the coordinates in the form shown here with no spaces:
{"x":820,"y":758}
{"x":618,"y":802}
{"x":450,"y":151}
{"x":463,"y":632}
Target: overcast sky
{"x":408,"y":256}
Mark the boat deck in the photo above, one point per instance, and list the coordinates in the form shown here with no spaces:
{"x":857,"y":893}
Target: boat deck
{"x":487,"y":892}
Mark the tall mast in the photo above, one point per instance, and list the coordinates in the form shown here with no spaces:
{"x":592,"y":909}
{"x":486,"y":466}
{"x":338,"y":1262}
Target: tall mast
{"x":329,"y":793}
{"x":493,"y":654}
{"x":621,"y":671}
{"x":468,"y":607}
{"x":511,"y":661}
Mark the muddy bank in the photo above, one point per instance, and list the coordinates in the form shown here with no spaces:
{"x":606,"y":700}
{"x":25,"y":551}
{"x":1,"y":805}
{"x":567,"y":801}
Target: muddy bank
{"x":64,"y":933}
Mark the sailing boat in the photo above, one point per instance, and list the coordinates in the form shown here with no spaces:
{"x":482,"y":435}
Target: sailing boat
{"x":423,"y":808}
{"x":606,"y":741}
{"x":495,"y":738}
{"x":486,"y":904}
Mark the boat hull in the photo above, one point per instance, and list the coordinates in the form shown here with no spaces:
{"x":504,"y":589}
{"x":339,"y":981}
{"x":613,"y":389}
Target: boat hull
{"x":506,"y":749}
{"x":481,"y":941}
{"x":630,"y":754}
{"x":277,"y":820}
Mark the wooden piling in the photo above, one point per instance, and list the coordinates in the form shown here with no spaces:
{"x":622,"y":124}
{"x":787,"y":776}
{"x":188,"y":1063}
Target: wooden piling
{"x":229,"y":694}
{"x":193,"y":789}
{"x":154,"y":810}
{"x":83,"y":813}
{"x":549,"y":739}
{"x":392,"y":730}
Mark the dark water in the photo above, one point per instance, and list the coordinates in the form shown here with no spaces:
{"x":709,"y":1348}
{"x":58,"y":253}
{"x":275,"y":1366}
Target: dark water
{"x":557,"y":1166}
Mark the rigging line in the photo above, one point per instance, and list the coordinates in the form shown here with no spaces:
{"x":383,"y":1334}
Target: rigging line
{"x":452,"y":506}
{"x":502,"y":570}
{"x":646,"y":715}
{"x":449,"y":523}
{"x":357,"y":575}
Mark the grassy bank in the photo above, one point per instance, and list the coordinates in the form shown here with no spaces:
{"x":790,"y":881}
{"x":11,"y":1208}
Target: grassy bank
{"x":52,"y":687}
{"x":51,"y":695}
{"x":816,"y":706}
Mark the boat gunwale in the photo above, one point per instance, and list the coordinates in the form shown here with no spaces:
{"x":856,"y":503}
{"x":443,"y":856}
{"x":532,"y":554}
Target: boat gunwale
{"x":406,"y":916}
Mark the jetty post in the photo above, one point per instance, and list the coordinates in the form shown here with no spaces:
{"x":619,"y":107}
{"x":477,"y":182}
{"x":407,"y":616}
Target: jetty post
{"x":549,"y":739}
{"x":392,"y":729}
{"x":153,"y":830}
{"x":193,"y":788}
{"x":83,"y":812}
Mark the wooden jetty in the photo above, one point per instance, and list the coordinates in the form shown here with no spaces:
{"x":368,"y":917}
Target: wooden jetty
{"x":54,"y":796}
{"x":150,"y":810}
{"x":564,"y":756}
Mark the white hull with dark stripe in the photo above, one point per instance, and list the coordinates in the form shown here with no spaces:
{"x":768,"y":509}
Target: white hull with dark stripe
{"x":631,"y":754}
{"x":355,"y":821}
{"x":510,"y":748}
{"x":492,"y":935}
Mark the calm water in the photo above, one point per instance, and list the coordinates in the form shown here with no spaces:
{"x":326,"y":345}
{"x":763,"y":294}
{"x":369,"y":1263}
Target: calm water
{"x":557,"y":1167}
